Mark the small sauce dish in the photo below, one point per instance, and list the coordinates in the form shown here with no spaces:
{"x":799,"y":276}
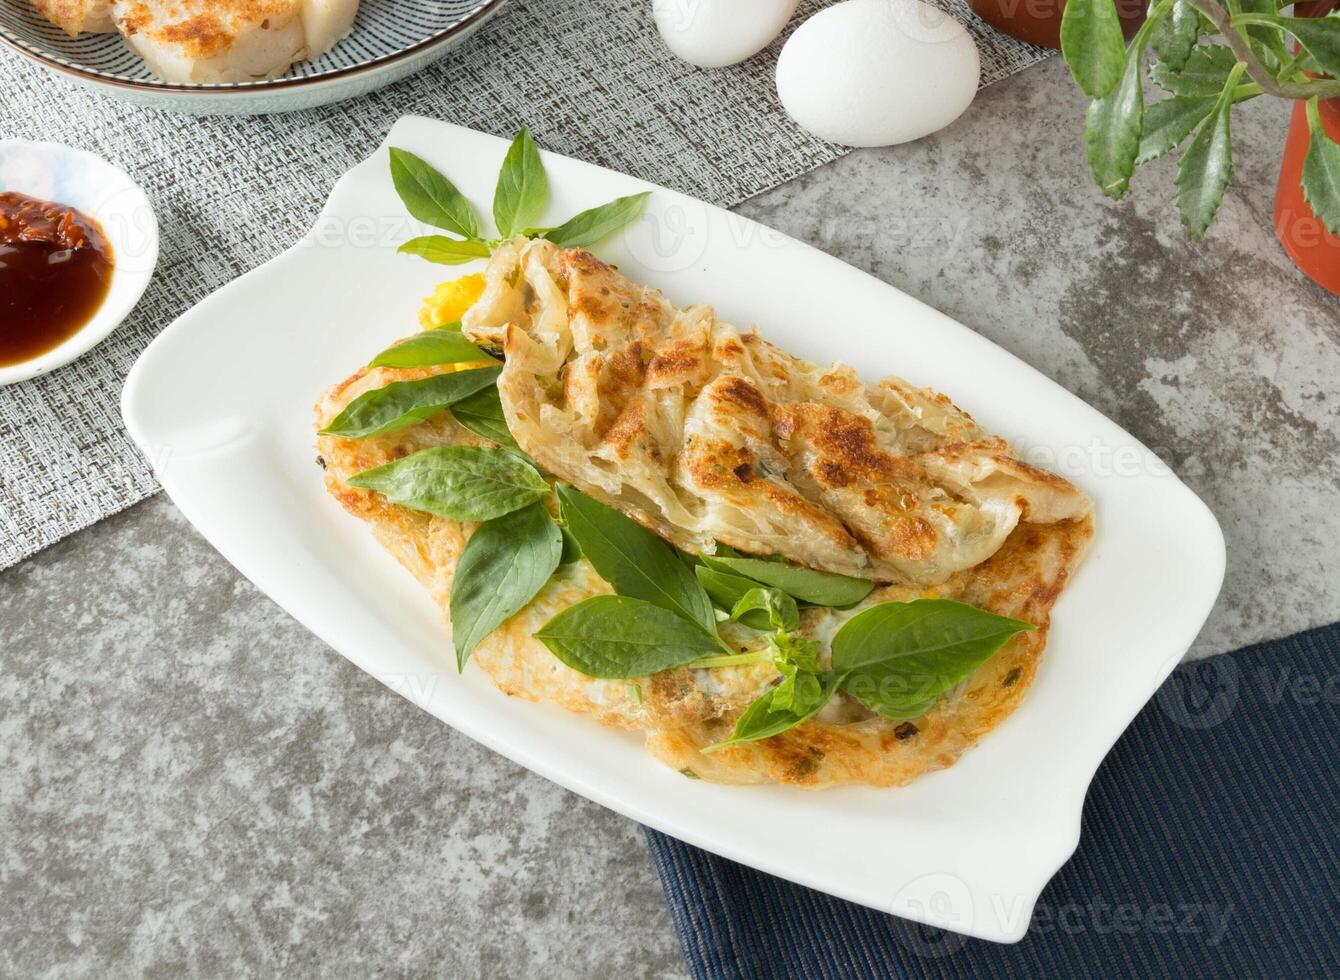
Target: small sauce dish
{"x":104,"y":193}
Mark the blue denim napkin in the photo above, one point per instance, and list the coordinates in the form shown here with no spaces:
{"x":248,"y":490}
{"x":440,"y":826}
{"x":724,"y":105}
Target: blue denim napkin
{"x":1209,"y":849}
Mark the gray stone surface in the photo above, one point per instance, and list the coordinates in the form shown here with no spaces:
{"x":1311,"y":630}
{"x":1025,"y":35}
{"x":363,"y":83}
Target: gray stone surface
{"x":190,"y":784}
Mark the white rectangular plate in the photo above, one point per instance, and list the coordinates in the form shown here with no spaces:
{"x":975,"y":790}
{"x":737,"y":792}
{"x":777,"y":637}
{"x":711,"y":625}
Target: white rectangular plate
{"x":220,"y":403}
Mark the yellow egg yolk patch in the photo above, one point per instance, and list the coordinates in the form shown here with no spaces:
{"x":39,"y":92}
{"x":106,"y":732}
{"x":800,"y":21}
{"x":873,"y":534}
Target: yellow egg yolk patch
{"x":450,"y":300}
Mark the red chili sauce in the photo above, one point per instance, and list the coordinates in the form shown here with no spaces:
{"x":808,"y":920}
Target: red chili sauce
{"x":55,"y":269}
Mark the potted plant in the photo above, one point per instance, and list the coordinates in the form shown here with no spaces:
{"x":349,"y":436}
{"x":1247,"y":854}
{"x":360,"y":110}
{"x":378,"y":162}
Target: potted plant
{"x":1208,"y":58}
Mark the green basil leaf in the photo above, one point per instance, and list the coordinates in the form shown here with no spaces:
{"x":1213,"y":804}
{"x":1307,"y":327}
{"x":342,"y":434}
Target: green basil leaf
{"x":572,"y":551}
{"x":934,"y":628}
{"x":441,"y":345}
{"x":482,"y":414}
{"x":403,"y":403}
{"x":444,"y":250}
{"x":1202,"y":75}
{"x":589,"y":227}
{"x":638,"y":563}
{"x":1112,"y":125}
{"x":460,"y":483}
{"x":1319,"y":35}
{"x":766,"y":717}
{"x":894,"y":709}
{"x":1321,"y":172}
{"x":819,"y":588}
{"x":1169,"y":122}
{"x":523,"y":188}
{"x":898,"y":656}
{"x":778,"y":607}
{"x":799,"y":691}
{"x":615,"y":637}
{"x":504,"y":564}
{"x":726,"y":590}
{"x":1176,"y":33}
{"x":430,"y":197}
{"x":1092,"y":45}
{"x":1206,"y":167}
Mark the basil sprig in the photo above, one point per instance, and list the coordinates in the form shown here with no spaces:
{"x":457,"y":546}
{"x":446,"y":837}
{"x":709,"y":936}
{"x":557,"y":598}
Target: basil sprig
{"x":403,"y":403}
{"x":461,"y":483}
{"x":896,"y":658}
{"x":774,"y":606}
{"x":726,"y":590}
{"x":638,"y":563}
{"x":616,"y":637}
{"x":505,"y":563}
{"x":806,"y":584}
{"x":440,"y":345}
{"x":519,"y":199}
{"x":804,"y":689}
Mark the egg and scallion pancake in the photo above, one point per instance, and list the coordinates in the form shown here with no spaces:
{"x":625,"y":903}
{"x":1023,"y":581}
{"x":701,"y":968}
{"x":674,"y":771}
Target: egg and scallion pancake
{"x":777,"y":572}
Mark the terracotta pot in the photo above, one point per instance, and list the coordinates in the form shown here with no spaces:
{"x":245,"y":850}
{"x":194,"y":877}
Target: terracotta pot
{"x":1039,"y":21}
{"x":1313,"y":249}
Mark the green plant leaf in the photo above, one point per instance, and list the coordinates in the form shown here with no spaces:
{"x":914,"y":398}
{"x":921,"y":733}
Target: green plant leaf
{"x":766,"y":717}
{"x":482,"y":414}
{"x":1319,"y":35}
{"x":726,"y":589}
{"x":441,"y":345}
{"x":1169,"y":122}
{"x":1205,"y":169}
{"x":1321,"y":172}
{"x":636,"y":562}
{"x":1202,"y":75}
{"x":778,"y":608}
{"x":1266,"y":43}
{"x":572,"y":551}
{"x":1093,"y":45}
{"x":460,"y":483}
{"x":819,"y":588}
{"x":504,"y":564}
{"x":523,"y":188}
{"x":1175,"y":35}
{"x":444,"y":250}
{"x":899,"y":656}
{"x":430,"y":197}
{"x":1112,"y":125}
{"x":930,"y":628}
{"x":403,"y":403}
{"x":585,"y":229}
{"x":616,"y":637}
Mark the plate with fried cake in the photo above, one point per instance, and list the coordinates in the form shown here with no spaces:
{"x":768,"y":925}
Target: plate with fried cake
{"x":697,"y":405}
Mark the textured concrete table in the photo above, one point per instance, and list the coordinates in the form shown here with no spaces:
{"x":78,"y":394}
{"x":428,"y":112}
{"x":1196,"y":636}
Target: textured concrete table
{"x":191,"y":784}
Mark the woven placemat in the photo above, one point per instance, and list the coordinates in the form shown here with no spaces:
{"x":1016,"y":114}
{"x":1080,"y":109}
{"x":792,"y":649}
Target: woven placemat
{"x":589,"y":77}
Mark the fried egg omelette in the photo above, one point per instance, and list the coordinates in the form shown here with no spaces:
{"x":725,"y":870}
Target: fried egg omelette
{"x":706,"y":434}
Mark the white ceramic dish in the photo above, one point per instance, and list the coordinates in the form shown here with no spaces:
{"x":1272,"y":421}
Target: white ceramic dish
{"x":220,"y":404}
{"x":391,"y":40}
{"x":106,"y":193}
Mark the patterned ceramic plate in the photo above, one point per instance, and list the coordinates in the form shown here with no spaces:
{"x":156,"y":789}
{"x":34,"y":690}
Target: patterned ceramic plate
{"x":390,"y":40}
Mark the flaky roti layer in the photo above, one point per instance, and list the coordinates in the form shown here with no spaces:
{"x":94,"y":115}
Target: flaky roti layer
{"x":706,"y":433}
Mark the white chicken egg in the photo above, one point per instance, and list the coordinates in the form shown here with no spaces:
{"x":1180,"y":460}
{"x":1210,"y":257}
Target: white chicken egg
{"x":877,"y":72}
{"x":715,"y":33}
